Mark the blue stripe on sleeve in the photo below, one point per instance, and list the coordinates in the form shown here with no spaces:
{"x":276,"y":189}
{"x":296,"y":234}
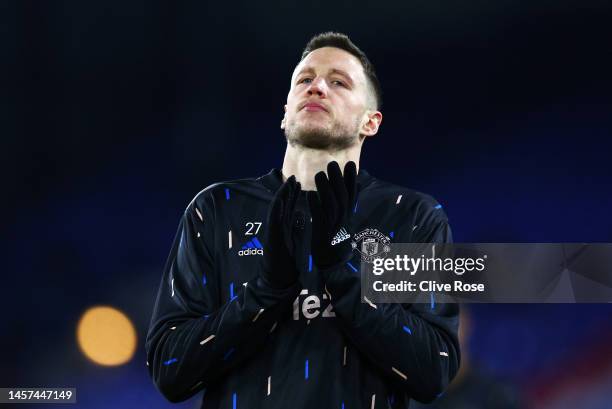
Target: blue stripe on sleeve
{"x":232,"y":296}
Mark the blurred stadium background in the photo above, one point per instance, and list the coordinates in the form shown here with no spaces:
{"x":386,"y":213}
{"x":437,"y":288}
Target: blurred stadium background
{"x":114,"y":114}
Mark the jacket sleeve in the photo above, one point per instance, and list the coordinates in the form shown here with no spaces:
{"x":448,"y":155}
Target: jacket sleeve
{"x":194,"y":337}
{"x":415,"y":345}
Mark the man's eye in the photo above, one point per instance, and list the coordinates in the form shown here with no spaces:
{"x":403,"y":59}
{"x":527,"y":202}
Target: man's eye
{"x":304,"y":80}
{"x":336,"y":82}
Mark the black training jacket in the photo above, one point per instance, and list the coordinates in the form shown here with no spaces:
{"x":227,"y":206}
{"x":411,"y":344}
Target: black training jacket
{"x":217,"y":328}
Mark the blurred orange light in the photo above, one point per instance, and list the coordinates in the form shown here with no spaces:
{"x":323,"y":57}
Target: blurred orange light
{"x":106,"y":336}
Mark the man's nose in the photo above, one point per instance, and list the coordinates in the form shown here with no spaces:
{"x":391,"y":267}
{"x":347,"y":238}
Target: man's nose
{"x":318,"y":87}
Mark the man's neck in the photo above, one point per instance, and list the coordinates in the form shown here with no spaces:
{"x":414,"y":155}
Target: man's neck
{"x":304,"y":163}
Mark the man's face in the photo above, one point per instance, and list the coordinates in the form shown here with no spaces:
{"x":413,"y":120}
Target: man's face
{"x":327,"y":103}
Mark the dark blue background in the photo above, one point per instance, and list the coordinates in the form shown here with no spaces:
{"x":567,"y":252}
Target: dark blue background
{"x":114,"y":115}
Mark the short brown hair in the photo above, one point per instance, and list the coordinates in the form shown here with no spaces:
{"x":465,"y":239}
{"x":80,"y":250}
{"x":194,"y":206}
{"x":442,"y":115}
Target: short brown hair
{"x":339,"y":40}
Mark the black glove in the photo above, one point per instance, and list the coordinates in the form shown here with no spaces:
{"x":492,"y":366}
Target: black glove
{"x":331,"y":207}
{"x":279,"y":270}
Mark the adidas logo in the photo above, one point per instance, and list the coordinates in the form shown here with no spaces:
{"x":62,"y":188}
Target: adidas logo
{"x":252,"y":247}
{"x":340,"y":236}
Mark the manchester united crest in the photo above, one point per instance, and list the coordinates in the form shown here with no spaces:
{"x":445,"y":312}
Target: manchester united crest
{"x":371,"y":244}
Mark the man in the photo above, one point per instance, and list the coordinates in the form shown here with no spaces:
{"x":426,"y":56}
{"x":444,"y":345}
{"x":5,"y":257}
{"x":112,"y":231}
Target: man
{"x":260,"y":302}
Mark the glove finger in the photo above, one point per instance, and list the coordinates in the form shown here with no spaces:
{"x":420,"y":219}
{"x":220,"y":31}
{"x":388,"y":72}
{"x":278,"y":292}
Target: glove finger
{"x":350,"y":182}
{"x":313,"y":203}
{"x":289,"y":199}
{"x":318,"y":219}
{"x":336,"y":182}
{"x":287,"y":221}
{"x":276,"y":210}
{"x":295,"y":194}
{"x":278,"y":203}
{"x":327,"y":199}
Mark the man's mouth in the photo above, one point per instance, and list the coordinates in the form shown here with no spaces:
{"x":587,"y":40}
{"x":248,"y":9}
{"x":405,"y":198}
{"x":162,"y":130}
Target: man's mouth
{"x":314,"y":107}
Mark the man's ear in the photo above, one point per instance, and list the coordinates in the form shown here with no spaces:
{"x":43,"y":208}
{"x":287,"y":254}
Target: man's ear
{"x":373,"y":119}
{"x":284,"y":117}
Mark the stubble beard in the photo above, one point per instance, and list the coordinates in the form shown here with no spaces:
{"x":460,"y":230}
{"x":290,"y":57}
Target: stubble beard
{"x":333,"y":138}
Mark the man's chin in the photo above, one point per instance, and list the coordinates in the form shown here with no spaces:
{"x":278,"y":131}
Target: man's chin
{"x":318,"y":138}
